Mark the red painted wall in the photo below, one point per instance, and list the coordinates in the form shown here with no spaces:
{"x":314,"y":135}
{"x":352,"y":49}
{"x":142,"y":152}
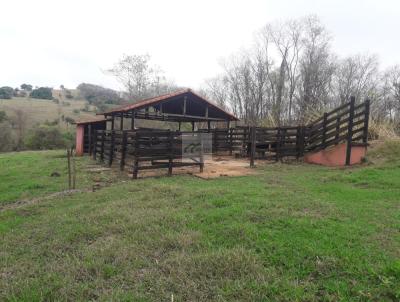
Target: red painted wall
{"x":336,"y":156}
{"x":80,"y":130}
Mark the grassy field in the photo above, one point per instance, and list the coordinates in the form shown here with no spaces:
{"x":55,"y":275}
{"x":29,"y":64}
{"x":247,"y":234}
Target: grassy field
{"x":293,"y":232}
{"x":39,"y":111}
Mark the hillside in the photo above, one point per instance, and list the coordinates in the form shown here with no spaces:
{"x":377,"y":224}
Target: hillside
{"x":293,"y":232}
{"x":39,"y":111}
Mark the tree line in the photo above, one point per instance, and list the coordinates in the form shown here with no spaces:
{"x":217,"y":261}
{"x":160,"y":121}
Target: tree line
{"x":291,"y":74}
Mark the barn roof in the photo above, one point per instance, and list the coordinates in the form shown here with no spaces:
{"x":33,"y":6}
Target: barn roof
{"x":91,"y":120}
{"x":171,"y":105}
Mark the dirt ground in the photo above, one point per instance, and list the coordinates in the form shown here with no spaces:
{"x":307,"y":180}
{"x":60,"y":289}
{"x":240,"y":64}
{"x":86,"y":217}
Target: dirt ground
{"x":216,"y":166}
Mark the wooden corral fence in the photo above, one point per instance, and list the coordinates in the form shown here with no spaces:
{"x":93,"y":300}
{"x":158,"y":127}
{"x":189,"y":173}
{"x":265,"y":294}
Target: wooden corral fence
{"x":144,"y":149}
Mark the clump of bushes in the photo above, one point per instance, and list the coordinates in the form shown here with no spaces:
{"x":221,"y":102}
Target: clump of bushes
{"x":45,"y":93}
{"x":6,"y":92}
{"x":47,"y":137}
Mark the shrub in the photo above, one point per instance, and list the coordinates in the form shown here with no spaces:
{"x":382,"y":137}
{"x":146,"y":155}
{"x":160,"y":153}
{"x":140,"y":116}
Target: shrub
{"x":6,"y":137}
{"x":76,"y":111}
{"x":45,"y":137}
{"x":65,"y":104}
{"x":6,"y":92}
{"x":3,"y":116}
{"x":42,"y":93}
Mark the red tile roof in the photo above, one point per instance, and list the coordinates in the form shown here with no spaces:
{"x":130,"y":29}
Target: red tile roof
{"x":153,"y":101}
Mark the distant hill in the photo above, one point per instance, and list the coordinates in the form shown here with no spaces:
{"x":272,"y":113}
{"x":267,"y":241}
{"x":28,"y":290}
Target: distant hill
{"x":37,"y":111}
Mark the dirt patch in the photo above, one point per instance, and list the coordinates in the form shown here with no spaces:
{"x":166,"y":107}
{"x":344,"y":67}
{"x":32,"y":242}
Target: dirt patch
{"x":218,"y":166}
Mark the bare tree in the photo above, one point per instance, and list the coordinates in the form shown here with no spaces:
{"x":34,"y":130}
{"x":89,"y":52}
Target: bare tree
{"x":356,"y":76}
{"x":139,"y":77}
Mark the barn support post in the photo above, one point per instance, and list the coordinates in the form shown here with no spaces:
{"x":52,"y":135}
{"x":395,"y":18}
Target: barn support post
{"x":94,"y":144}
{"x":133,"y":121}
{"x":201,"y":153}
{"x":111,"y":151}
{"x":171,"y":146}
{"x":136,"y":156}
{"x":112,"y":121}
{"x":350,"y":130}
{"x":192,"y":126}
{"x":252,"y":145}
{"x":103,"y":137}
{"x":366,"y":121}
{"x":230,"y":134}
{"x":123,"y":150}
{"x":90,"y":139}
{"x":121,"y":124}
{"x":179,"y":126}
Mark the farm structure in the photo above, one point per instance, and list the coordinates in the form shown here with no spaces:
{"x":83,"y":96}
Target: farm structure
{"x":339,"y":137}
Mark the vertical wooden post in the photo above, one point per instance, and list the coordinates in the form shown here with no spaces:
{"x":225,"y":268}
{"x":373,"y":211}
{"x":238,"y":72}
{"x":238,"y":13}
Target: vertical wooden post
{"x":103,"y":137}
{"x":111,"y":151}
{"x":123,"y":150}
{"x":278,"y":144}
{"x":121,"y":124}
{"x":112,"y":121}
{"x":69,"y":168}
{"x":366,"y":121}
{"x":94,"y":144}
{"x":73,"y":169}
{"x":324,"y":125}
{"x":337,"y":130}
{"x":184,"y":105}
{"x":350,"y":130}
{"x":133,"y":121}
{"x":170,"y":160}
{"x":192,"y":126}
{"x":136,"y":156}
{"x":208,"y":126}
{"x":252,"y":145}
{"x":201,"y":154}
{"x":230,"y":133}
{"x":179,"y":126}
{"x":90,"y":139}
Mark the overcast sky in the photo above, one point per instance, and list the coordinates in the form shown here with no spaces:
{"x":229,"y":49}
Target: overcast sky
{"x":48,"y":43}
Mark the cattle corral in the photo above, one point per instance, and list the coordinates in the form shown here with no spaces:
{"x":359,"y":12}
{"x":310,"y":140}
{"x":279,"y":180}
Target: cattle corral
{"x":141,"y":149}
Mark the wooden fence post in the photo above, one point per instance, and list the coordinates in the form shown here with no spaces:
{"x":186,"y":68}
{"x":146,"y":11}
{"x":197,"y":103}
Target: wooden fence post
{"x":366,"y":121}
{"x":123,"y":150}
{"x":136,"y":156}
{"x":278,"y":142}
{"x":252,"y":145}
{"x":350,"y":130}
{"x":69,"y":168}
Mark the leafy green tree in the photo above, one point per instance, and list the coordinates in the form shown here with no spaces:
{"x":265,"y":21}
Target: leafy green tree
{"x":42,"y":93}
{"x":26,"y":87}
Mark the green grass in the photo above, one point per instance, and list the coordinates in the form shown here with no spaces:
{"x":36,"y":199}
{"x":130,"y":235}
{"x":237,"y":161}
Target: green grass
{"x":291,"y":233}
{"x":25,"y":175}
